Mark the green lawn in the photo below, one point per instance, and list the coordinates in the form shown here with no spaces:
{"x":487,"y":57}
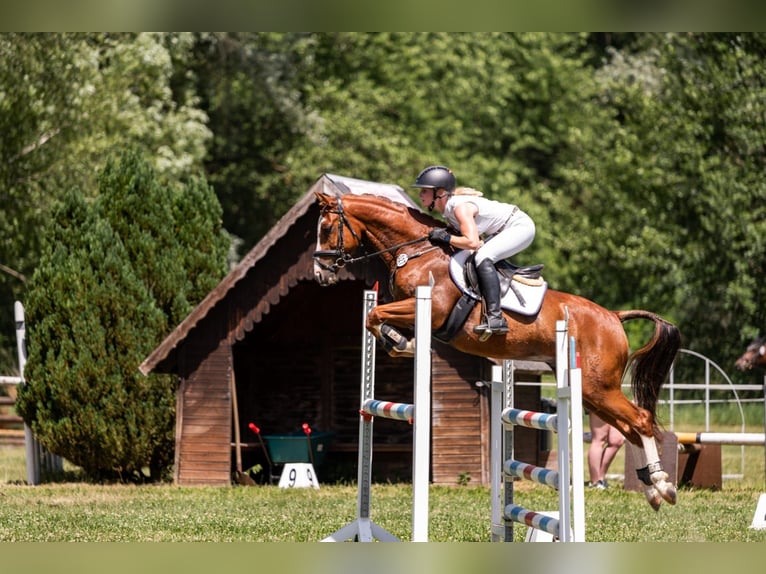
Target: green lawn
{"x":77,"y":511}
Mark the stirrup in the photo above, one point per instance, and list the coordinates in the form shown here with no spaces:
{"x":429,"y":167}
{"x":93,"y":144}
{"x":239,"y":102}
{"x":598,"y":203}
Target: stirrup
{"x":486,"y":329}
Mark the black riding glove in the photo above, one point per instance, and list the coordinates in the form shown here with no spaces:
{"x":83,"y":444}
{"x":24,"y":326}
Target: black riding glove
{"x":439,"y":235}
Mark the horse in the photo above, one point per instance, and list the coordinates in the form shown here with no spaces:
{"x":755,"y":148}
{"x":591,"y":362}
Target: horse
{"x":398,"y":234}
{"x":754,"y":355}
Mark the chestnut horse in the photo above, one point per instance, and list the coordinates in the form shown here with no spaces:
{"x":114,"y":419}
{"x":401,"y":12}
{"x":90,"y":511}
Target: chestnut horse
{"x":378,"y":227}
{"x":754,"y":355}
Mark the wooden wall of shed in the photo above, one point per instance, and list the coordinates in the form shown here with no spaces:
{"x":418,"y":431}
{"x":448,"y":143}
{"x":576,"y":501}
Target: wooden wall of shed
{"x":203,"y":413}
{"x":459,"y":416}
{"x":302,"y":364}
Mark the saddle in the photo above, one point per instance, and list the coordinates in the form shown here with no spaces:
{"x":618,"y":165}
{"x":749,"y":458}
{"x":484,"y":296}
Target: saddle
{"x":508,"y":273}
{"x":522,"y":290}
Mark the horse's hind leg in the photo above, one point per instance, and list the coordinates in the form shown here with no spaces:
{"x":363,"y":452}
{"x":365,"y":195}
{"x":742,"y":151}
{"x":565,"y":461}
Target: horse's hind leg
{"x":646,"y":454}
{"x":638,"y":427}
{"x":657,"y":487}
{"x":655,"y":479}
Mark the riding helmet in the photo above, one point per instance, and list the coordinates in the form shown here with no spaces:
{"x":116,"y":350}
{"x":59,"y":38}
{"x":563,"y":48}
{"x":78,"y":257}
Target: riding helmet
{"x":436,"y":176}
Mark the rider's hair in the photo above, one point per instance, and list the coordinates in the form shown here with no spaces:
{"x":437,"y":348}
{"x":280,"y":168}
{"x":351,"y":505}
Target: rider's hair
{"x":467,"y":191}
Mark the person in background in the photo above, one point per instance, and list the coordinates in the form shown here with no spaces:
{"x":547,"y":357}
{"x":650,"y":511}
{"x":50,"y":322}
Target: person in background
{"x":605,"y":443}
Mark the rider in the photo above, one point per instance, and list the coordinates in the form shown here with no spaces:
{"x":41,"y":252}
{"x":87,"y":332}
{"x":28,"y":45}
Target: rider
{"x":506,"y":230}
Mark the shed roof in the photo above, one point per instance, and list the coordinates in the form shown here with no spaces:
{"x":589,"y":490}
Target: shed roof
{"x":328,"y":184}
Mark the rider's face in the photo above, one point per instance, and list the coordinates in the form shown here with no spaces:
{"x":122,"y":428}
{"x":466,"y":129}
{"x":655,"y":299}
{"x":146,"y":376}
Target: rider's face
{"x":430,"y":197}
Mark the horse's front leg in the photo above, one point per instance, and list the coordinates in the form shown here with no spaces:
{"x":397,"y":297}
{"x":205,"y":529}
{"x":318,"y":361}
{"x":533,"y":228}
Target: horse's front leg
{"x":382,"y":321}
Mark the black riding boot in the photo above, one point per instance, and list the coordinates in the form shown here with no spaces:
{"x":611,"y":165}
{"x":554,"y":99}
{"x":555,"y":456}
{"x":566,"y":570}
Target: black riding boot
{"x":490,"y":289}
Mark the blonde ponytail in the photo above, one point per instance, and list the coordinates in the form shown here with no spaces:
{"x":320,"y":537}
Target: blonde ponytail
{"x":467,"y":191}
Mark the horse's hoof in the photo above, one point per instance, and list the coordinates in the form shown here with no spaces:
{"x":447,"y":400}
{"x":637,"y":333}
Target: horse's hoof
{"x":407,"y":351}
{"x":653,"y":497}
{"x":667,"y":490}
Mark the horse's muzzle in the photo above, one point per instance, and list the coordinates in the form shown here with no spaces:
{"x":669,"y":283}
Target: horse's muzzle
{"x":324,"y":273}
{"x":325,"y":278}
{"x":744,"y":364}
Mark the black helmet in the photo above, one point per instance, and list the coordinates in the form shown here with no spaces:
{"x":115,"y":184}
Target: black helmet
{"x":436,"y":176}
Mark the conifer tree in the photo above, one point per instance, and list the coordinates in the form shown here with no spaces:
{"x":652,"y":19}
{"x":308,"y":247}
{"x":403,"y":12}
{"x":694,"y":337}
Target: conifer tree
{"x":117,"y":274}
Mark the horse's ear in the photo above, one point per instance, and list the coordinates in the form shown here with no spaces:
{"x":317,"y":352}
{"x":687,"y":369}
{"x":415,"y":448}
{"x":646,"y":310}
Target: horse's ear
{"x":325,"y":200}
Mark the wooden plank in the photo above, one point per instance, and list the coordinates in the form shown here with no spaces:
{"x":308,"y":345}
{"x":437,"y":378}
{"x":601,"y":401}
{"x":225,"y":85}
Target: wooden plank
{"x":204,"y":450}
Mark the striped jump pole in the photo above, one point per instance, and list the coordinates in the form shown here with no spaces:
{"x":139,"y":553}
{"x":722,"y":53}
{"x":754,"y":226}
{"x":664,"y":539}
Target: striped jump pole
{"x":530,"y":419}
{"x":389,"y":410}
{"x":363,"y":529}
{"x":531,"y":472}
{"x":533,"y":519}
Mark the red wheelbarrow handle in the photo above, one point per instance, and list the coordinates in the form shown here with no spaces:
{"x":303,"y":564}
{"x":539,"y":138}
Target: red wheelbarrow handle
{"x":307,"y":430}
{"x":253,"y":427}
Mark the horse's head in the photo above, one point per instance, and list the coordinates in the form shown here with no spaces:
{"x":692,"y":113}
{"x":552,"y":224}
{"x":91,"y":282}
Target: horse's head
{"x":754,"y":356}
{"x":337,"y":239}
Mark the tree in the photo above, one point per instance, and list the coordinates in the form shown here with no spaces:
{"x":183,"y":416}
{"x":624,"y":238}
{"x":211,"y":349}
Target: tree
{"x":286,"y":108}
{"x":669,"y":192}
{"x":115,"y":274}
{"x":67,"y":101}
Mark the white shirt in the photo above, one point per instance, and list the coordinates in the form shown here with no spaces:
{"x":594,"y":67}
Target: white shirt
{"x":492,"y":216}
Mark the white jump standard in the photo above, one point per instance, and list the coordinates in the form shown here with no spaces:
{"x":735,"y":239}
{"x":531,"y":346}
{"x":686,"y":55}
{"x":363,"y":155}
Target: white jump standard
{"x":569,"y":523}
{"x":363,"y":529}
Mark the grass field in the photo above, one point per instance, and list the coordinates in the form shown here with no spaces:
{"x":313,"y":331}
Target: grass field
{"x":78,"y":511}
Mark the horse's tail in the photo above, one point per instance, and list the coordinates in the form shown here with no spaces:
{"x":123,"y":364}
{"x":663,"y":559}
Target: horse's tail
{"x":651,"y":363}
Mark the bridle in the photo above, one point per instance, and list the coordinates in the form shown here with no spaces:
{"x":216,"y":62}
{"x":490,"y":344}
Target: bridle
{"x":339,"y":254}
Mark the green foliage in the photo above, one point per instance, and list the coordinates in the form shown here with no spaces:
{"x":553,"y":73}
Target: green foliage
{"x":172,"y":234}
{"x":669,"y":193}
{"x":87,"y":314}
{"x":639,"y":155}
{"x":67,"y":101}
{"x":115,"y":274}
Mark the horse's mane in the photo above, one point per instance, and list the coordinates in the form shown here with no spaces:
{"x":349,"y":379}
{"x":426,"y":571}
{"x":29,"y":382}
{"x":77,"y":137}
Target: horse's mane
{"x":414,"y":213}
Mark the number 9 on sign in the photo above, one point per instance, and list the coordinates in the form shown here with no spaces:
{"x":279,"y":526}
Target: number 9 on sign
{"x":298,"y":475}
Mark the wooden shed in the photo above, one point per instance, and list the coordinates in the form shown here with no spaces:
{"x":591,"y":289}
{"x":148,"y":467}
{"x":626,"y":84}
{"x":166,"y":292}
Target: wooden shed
{"x":291,"y":350}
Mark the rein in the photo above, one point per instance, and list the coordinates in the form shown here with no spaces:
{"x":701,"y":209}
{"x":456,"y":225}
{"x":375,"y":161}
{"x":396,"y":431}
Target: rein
{"x":394,"y":248}
{"x":342,"y":258}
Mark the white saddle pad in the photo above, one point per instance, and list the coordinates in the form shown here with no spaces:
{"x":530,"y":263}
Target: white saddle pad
{"x":532,"y":294}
